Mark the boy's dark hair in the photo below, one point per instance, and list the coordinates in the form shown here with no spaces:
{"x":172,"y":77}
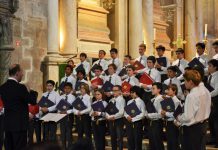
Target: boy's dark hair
{"x":173,"y":87}
{"x":136,"y":89}
{"x":173,"y":68}
{"x":50,"y":82}
{"x":152,"y":58}
{"x":160,"y":47}
{"x":200,"y":44}
{"x":69,"y":66}
{"x":118,"y":86}
{"x":131,"y":67}
{"x":158,"y":85}
{"x":82,"y":71}
{"x":68,"y":84}
{"x":188,"y":68}
{"x":14,"y":69}
{"x":214,"y":63}
{"x":98,"y":67}
{"x":200,"y":70}
{"x":128,"y":56}
{"x":215,"y":43}
{"x":113,"y":66}
{"x":180,"y":50}
{"x":114,"y":50}
{"x":83,"y":55}
{"x":102,"y":51}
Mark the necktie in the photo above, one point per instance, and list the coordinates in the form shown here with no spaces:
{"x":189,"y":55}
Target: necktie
{"x":113,"y":61}
{"x":209,"y":79}
{"x":129,"y":80}
{"x":66,"y":80}
{"x":110,"y":79}
{"x":99,"y":62}
{"x":199,"y":58}
{"x":179,"y":63}
{"x":170,"y":81}
{"x":66,"y":98}
{"x":47,"y":95}
{"x":149,"y":73}
{"x":140,"y":59}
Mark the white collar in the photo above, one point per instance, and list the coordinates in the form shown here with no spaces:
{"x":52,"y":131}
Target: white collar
{"x":11,"y":78}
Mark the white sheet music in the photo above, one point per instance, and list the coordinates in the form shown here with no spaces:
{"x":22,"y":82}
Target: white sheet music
{"x":55,"y":117}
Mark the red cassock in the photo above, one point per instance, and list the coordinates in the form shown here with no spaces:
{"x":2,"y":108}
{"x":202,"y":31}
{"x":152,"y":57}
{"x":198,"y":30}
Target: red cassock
{"x":146,"y":79}
{"x":138,"y":65}
{"x":1,"y":103}
{"x":34,"y":109}
{"x":97,"y":81}
{"x":126,"y":87}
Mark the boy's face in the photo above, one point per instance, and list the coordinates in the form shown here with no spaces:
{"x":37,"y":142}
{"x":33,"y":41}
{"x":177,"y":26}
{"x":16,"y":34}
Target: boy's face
{"x":141,"y":50}
{"x":101,"y":55}
{"x":160,"y":52}
{"x":49,"y":87}
{"x":155,"y":90}
{"x":126,"y":60}
{"x":211,"y":68}
{"x":98,"y":95}
{"x":188,"y":84}
{"x":130,"y":72}
{"x":67,"y":90}
{"x":113,"y":55}
{"x":200,"y":50}
{"x":215,"y":47}
{"x":116,"y":91}
{"x":179,"y":55}
{"x":170,"y":73}
{"x":111,"y":70}
{"x":82,"y":58}
{"x":80,"y":75}
{"x":170,"y":92}
{"x":82,"y":90}
{"x":68,"y":71}
{"x":97,"y":72}
{"x":133,"y":95}
{"x":150,"y":64}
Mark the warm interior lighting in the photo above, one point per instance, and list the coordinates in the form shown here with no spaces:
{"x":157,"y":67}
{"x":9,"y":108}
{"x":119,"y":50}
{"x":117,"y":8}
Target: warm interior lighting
{"x":61,"y":38}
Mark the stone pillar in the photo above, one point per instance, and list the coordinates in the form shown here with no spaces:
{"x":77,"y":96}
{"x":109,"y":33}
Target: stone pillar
{"x":121,"y":27}
{"x":148,"y":26}
{"x":68,"y":27}
{"x":199,"y":20}
{"x":190,"y":35}
{"x":53,"y":27}
{"x":178,"y":30}
{"x":135,"y":27}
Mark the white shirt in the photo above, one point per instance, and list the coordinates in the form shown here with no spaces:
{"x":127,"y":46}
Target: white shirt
{"x":120,"y":104}
{"x":115,"y":79}
{"x":182,"y":66}
{"x":156,"y":102}
{"x":197,"y":106}
{"x":118,"y":63}
{"x":70,"y":79}
{"x":177,"y":102}
{"x":87,"y":102}
{"x":133,"y":81}
{"x":54,"y":97}
{"x":215,"y":56}
{"x":70,"y":99}
{"x":204,"y":60}
{"x":143,"y":60}
{"x":178,"y":83}
{"x":103,"y":63}
{"x":214,"y":84}
{"x":164,"y":69}
{"x":86,"y":66}
{"x":141,"y":106}
{"x":100,"y":114}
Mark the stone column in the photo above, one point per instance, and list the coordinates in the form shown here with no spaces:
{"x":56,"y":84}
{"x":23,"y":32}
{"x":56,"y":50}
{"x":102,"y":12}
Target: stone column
{"x":135,"y":26}
{"x":190,"y":34}
{"x":121,"y":27}
{"x":68,"y":27}
{"x":53,"y":27}
{"x":148,"y":25}
{"x":178,"y":30}
{"x":199,"y":20}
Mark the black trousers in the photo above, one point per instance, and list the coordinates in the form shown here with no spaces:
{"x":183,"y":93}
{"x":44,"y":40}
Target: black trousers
{"x":193,"y":137}
{"x":34,"y":126}
{"x":15,"y":140}
{"x":49,"y":131}
{"x":99,"y":129}
{"x":66,"y":126}
{"x":134,"y":135}
{"x":116,"y":132}
{"x":83,"y":124}
{"x":172,"y":135}
{"x":1,"y":131}
{"x":156,"y":135}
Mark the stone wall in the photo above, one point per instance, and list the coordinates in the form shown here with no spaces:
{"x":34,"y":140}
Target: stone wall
{"x":30,"y":30}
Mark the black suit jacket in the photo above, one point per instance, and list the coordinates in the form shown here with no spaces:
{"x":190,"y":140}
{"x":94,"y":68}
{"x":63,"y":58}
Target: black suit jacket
{"x":15,"y":98}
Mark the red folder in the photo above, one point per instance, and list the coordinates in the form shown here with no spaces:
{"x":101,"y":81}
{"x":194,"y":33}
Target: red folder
{"x":146,"y":79}
{"x":126,"y":87}
{"x":138,"y":65}
{"x":34,"y":109}
{"x":97,"y":81}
